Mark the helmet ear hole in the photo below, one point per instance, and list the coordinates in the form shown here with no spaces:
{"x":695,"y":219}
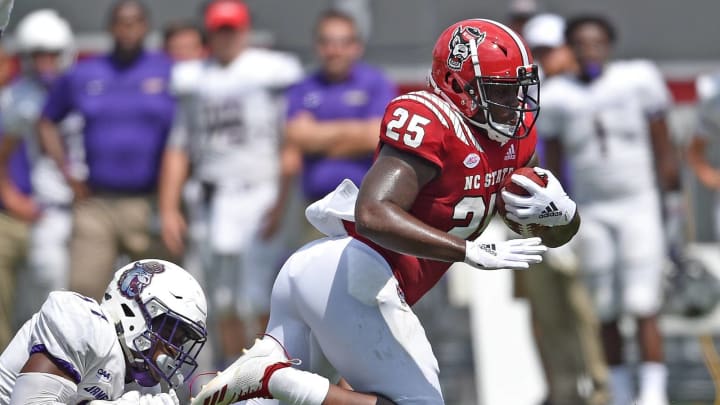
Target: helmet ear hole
{"x":128,"y":312}
{"x":456,"y":87}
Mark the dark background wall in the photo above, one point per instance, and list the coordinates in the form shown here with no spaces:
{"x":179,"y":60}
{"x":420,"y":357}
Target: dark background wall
{"x":404,"y":30}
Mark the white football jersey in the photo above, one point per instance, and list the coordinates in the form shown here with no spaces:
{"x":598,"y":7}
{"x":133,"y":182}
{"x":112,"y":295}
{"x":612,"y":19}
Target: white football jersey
{"x":21,"y":104}
{"x":708,"y":90}
{"x":230,"y":117}
{"x":75,"y":331}
{"x":604,"y":127}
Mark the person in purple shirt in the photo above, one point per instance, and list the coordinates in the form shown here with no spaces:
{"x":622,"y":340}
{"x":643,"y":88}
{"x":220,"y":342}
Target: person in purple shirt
{"x":334,"y":114}
{"x":124,"y":100}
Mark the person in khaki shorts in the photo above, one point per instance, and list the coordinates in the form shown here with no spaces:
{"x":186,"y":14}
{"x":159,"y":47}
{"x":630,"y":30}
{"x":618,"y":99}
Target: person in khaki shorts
{"x":123,"y":97}
{"x":562,"y":312}
{"x":14,"y":234}
{"x":17,"y":211}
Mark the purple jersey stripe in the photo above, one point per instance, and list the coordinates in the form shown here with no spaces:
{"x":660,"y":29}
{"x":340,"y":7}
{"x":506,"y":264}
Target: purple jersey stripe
{"x":62,"y":364}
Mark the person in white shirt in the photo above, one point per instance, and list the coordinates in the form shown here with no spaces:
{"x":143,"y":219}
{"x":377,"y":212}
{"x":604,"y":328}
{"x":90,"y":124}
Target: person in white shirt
{"x":608,"y":121}
{"x":227,"y":129}
{"x":143,"y":337}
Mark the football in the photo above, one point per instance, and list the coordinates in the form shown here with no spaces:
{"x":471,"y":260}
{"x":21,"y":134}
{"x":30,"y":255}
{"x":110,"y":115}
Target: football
{"x":507,"y":184}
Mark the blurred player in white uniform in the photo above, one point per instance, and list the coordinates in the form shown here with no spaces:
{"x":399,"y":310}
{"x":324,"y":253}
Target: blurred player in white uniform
{"x":45,"y":43}
{"x":228,"y":131}
{"x":608,"y":121}
{"x":706,"y":133}
{"x":142,"y":338}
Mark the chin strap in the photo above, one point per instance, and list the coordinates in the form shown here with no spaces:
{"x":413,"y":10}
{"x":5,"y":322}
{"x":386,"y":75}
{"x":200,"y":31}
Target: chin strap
{"x":491,"y":132}
{"x":126,"y":350}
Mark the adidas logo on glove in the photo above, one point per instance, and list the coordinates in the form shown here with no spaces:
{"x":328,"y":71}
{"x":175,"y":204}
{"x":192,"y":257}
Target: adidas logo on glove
{"x":550,"y":211}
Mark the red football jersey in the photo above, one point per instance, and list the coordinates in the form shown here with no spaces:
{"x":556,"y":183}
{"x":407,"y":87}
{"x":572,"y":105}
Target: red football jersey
{"x":461,"y":200}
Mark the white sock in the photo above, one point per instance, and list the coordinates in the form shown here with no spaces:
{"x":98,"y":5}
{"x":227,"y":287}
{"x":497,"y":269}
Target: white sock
{"x":621,"y":385}
{"x":297,"y":387}
{"x":653,"y":382}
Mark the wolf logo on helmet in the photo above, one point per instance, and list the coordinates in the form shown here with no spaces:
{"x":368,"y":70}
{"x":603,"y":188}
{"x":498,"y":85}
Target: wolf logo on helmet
{"x":160,"y":324}
{"x":460,"y":45}
{"x":133,"y":281}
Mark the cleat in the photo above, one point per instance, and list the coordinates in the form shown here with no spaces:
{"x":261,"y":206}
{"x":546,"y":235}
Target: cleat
{"x":247,"y":377}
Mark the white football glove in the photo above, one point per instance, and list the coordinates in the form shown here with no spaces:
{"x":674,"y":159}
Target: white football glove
{"x":134,"y":398}
{"x":547,"y":206}
{"x":511,"y":254}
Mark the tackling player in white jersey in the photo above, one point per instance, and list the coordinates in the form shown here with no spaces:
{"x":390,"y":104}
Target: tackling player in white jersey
{"x":147,"y":331}
{"x":228,"y":130}
{"x":608,"y":121}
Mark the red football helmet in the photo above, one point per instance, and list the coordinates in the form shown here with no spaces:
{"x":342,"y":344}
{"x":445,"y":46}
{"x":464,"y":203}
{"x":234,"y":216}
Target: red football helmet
{"x":485,"y":70}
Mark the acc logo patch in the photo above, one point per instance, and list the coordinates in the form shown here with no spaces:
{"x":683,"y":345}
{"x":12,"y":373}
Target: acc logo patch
{"x":460,"y":45}
{"x":471,"y":160}
{"x":133,"y":281}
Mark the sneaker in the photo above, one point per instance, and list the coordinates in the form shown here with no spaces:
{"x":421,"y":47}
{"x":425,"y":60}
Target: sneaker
{"x":247,"y":377}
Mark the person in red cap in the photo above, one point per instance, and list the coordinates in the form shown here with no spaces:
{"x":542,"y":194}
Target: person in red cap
{"x":228,"y":131}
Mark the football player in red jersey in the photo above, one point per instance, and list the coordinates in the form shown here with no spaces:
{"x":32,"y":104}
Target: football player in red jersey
{"x":341,"y":304}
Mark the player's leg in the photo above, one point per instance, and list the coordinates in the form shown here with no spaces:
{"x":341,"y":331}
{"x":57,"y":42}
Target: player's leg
{"x":346,"y":300}
{"x":642,"y":265}
{"x":222,"y":272}
{"x":13,"y":244}
{"x":93,"y":247}
{"x":49,"y":258}
{"x":564,"y":316}
{"x":597,"y":251}
{"x":364,"y":327}
{"x":260,"y":262}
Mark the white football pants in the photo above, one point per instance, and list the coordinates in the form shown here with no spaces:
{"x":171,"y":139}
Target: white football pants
{"x":337,"y":307}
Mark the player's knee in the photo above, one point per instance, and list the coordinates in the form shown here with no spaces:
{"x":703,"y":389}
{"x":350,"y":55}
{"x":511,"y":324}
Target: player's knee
{"x":641,"y":302}
{"x":606,"y":306}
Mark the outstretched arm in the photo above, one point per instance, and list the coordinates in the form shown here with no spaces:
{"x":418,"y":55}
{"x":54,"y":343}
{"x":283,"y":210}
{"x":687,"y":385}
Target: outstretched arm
{"x":386,"y":195}
{"x":382,"y":215}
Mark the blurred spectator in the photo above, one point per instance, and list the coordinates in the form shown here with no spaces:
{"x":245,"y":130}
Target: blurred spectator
{"x":16,"y":212}
{"x":545,"y":35}
{"x":562,"y":312}
{"x":45,"y":43}
{"x":124,"y":100}
{"x":334,"y":114}
{"x":521,"y":11}
{"x":228,"y":131}
{"x":708,"y":129}
{"x":609,"y":122}
{"x":183,"y":41}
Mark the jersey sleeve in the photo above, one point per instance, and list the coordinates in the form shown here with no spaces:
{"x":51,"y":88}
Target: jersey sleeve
{"x":59,"y":102}
{"x":653,"y":92}
{"x":13,"y":122}
{"x":416,"y":127}
{"x":287,"y":70}
{"x":179,"y":137}
{"x":66,"y":330}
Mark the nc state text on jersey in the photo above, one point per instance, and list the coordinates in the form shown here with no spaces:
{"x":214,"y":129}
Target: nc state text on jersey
{"x":474,"y":182}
